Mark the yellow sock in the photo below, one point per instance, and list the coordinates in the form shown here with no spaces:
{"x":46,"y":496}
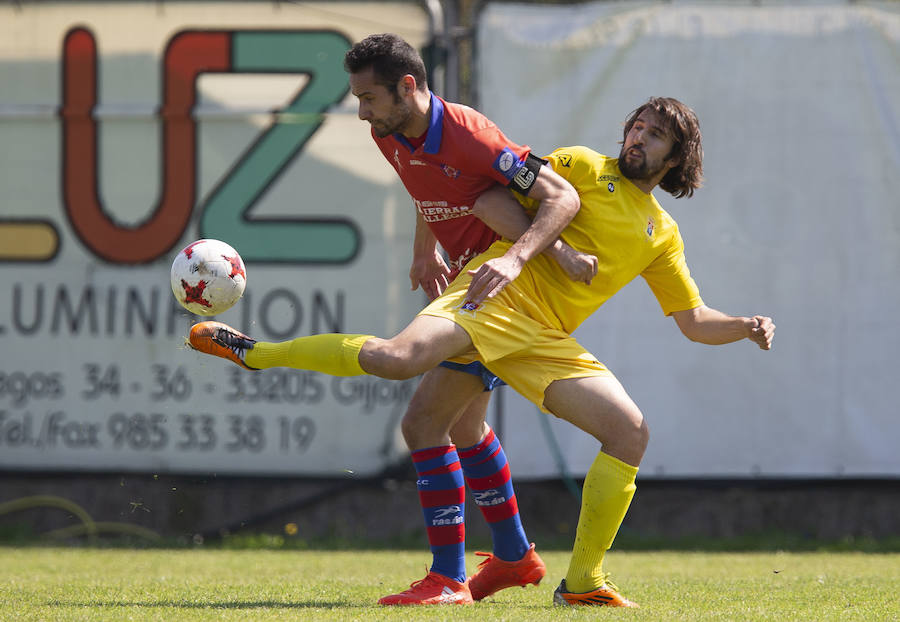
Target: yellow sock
{"x":608,"y":489}
{"x":334,"y":354}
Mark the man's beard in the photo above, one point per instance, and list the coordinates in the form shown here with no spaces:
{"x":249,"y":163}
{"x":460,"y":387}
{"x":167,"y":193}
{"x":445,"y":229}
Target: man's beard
{"x":395,"y":122}
{"x":635,"y":170}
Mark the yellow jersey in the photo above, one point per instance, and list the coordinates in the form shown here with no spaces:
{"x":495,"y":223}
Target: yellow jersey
{"x":624,"y":227}
{"x":523,"y":334}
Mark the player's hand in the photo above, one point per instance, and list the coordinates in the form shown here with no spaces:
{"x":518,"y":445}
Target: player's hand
{"x":492,"y":277}
{"x":430,"y":273}
{"x":762,"y":331}
{"x":578,"y":266}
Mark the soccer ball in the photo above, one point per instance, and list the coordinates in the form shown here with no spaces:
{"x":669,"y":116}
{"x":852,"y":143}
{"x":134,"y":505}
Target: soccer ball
{"x":208,"y":277}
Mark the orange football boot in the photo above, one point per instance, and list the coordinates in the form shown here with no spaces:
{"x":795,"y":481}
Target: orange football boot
{"x":221,"y":340}
{"x":434,"y":589}
{"x":495,"y":574}
{"x":607,"y":595}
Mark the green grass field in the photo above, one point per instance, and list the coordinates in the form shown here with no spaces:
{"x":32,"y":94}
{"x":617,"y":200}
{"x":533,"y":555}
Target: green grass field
{"x":40,"y":583}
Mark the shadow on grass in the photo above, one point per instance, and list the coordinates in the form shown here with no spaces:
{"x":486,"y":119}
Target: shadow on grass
{"x":187,"y":604}
{"x":250,"y":605}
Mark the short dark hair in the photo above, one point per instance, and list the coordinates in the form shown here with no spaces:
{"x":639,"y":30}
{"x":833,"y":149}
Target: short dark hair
{"x":682,"y":122}
{"x":390,"y":58}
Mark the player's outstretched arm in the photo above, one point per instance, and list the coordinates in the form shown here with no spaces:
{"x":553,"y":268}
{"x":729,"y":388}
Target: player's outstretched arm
{"x":500,"y":211}
{"x":710,"y":326}
{"x":559,"y":203}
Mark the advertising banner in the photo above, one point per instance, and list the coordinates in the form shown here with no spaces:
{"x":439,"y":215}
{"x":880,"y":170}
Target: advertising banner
{"x":129,"y":130}
{"x":799,"y":105}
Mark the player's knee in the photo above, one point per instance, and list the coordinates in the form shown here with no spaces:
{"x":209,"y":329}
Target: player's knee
{"x":420,"y":429}
{"x":634,"y":441}
{"x":390,"y":359}
{"x":630,"y":440}
{"x":642,"y":436}
{"x":469,"y":431}
{"x":410,"y":427}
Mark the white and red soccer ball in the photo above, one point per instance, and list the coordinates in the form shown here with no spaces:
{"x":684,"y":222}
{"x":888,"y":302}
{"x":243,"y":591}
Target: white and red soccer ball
{"x":208,"y":277}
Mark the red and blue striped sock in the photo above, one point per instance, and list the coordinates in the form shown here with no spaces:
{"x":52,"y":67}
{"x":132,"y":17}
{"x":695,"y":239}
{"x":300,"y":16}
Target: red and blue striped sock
{"x":442,"y":494}
{"x":487,"y":472}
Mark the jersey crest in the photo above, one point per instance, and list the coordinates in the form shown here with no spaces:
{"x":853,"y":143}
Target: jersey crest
{"x":507,"y":163}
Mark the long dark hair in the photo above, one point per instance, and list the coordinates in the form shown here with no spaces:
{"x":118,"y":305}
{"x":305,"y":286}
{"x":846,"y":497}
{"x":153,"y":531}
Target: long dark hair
{"x":682,"y":122}
{"x":390,"y":57}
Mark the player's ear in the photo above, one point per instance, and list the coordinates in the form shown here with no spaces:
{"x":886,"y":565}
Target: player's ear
{"x":676,"y":155}
{"x":675,"y":160}
{"x":407,"y":85}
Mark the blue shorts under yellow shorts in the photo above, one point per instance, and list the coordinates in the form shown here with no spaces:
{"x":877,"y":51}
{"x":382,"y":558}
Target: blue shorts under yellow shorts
{"x":476,"y":368}
{"x":526,"y":353}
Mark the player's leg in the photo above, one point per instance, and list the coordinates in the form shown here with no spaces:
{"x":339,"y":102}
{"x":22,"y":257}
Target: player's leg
{"x":450,"y":405}
{"x":557,"y":374}
{"x":600,"y":406}
{"x":424,"y":343}
{"x":609,"y":415}
{"x":513,"y":560}
{"x":436,"y":405}
{"x":484,"y":463}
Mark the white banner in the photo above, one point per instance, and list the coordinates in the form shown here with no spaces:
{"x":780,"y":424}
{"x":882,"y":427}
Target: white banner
{"x":798,"y":219}
{"x":130,"y":130}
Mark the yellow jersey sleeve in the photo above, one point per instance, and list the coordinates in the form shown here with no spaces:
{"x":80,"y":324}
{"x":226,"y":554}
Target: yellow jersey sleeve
{"x":578,"y":165}
{"x":670,"y":279}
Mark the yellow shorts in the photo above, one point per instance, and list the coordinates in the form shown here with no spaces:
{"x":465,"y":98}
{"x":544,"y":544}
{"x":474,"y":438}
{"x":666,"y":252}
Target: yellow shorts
{"x":526,"y":353}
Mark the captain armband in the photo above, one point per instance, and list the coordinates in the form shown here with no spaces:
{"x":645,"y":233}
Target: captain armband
{"x":527,"y":174}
